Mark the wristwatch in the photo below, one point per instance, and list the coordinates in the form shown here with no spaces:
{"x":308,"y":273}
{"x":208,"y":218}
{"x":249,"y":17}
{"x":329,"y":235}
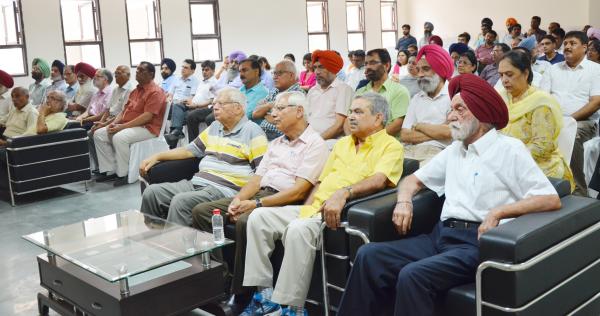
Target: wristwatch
{"x":258,"y":203}
{"x":349,"y":189}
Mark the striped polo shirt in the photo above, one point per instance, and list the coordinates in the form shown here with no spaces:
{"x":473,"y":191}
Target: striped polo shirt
{"x":229,"y":158}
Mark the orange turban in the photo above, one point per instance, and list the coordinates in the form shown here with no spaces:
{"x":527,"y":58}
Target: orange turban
{"x":481,"y":99}
{"x":438,"y":59}
{"x":329,"y":59}
{"x":511,"y":22}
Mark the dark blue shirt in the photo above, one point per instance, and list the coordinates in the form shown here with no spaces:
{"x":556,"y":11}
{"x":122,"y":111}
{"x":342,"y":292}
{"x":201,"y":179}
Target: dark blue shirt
{"x":557,"y":58}
{"x":403,"y":42}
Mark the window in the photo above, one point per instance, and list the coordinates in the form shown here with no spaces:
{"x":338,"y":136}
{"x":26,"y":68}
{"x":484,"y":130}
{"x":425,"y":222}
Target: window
{"x":318,"y":25}
{"x":145,"y":34}
{"x":355,"y":22}
{"x":206,"y":33}
{"x":13,"y":57}
{"x":389,"y":25}
{"x":81,"y":32}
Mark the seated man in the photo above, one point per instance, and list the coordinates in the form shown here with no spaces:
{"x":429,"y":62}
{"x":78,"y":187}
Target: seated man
{"x":57,"y":76}
{"x":6,"y":82}
{"x":201,"y":103}
{"x":22,"y":117}
{"x":81,"y":101}
{"x":503,"y":182}
{"x":378,"y":66}
{"x":167,"y":72}
{"x":181,"y":94}
{"x":231,"y":148}
{"x":141,"y":119}
{"x":490,"y":72}
{"x":285,"y":80}
{"x":285,"y":176}
{"x":360,"y":164}
{"x":99,"y":102}
{"x":425,"y":128}
{"x":71,"y":82}
{"x":51,"y":116}
{"x":252,"y":87}
{"x":357,"y":72}
{"x":40,"y":71}
{"x":549,"y":47}
{"x":330,"y":98}
{"x":229,"y":73}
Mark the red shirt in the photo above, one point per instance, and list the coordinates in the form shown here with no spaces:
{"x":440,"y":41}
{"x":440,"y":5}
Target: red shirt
{"x":147,"y":98}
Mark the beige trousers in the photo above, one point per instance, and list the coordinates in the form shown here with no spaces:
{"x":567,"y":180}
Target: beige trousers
{"x":422,"y":153}
{"x":299,"y":236}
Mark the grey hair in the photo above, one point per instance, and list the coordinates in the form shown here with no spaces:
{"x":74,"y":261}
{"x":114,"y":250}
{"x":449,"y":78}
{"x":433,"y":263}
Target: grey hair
{"x":126,"y":68}
{"x":234,"y":95}
{"x":296,"y":98}
{"x":107,"y":74}
{"x":288,"y":66}
{"x":63,"y":98}
{"x":377,"y":104}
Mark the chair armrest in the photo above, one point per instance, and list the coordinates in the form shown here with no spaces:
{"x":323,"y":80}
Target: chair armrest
{"x":529,"y":235}
{"x":172,"y":171}
{"x":54,"y":137}
{"x":562,"y":186}
{"x":374,"y":217}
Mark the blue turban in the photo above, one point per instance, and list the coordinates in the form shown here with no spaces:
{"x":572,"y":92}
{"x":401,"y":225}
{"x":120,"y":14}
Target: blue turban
{"x":459,"y":48}
{"x":530,"y":43}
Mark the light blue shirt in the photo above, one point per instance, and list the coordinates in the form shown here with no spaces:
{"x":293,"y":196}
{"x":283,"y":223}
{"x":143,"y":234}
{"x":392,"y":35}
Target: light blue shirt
{"x":71,"y":91}
{"x":253,"y":96}
{"x":167,"y":83}
{"x":183,"y":89}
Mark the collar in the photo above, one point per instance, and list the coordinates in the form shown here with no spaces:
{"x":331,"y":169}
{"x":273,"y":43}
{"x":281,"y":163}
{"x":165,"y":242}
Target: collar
{"x":209,"y":79}
{"x":256,"y":86}
{"x":442,"y":93}
{"x":58,"y":81}
{"x":126,"y":86}
{"x":371,"y":139}
{"x":27,"y":107}
{"x":583,"y":64}
{"x":334,"y":84}
{"x":304,"y":137}
{"x":236,"y":129}
{"x":146,"y":86}
{"x":483,"y":143}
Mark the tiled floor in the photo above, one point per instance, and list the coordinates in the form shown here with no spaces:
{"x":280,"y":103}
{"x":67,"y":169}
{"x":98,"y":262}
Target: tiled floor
{"x":19,"y":279}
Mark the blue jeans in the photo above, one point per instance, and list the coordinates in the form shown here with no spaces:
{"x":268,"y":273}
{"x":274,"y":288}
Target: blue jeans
{"x":178,"y":117}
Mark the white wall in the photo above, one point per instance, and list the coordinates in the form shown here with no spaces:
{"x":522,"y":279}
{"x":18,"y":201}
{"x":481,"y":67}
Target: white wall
{"x":273,"y":28}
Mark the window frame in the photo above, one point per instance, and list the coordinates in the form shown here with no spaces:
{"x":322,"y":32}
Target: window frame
{"x":361,"y":23}
{"x":325,"y":14}
{"x":394,"y":20}
{"x":19,"y":27}
{"x":217,"y":26}
{"x":157,"y":27}
{"x":97,"y":28}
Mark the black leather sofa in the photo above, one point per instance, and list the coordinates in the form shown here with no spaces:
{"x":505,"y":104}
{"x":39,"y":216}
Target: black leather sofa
{"x":552,"y":258}
{"x":40,"y":162}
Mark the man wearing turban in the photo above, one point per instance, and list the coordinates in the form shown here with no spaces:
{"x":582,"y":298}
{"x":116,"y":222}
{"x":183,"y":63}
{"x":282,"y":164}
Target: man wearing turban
{"x":6,"y":82}
{"x":85,"y":75}
{"x":330,"y":98}
{"x":481,"y":192}
{"x":57,"y":76}
{"x":229,"y":73}
{"x":167,"y":71}
{"x":425,"y":131}
{"x":40,"y":71}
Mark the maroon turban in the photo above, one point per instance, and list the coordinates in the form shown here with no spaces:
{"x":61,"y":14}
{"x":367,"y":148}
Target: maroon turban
{"x":438,"y":59}
{"x":6,"y":79}
{"x":329,"y":59}
{"x":436,"y":40}
{"x":481,"y":99}
{"x":86,"y":69}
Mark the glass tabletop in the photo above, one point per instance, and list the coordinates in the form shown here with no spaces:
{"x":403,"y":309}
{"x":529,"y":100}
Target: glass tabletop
{"x":124,"y":244}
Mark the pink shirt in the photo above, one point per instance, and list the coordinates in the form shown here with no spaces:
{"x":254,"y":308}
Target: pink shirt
{"x":310,"y":81}
{"x":99,"y":101}
{"x":285,"y":160}
{"x":324,"y":104}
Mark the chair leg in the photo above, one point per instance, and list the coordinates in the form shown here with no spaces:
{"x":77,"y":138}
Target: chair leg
{"x":323,"y":269}
{"x":10,"y":189}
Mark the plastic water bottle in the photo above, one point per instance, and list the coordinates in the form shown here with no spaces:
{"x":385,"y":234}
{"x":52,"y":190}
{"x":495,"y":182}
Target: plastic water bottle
{"x":217,"y":224}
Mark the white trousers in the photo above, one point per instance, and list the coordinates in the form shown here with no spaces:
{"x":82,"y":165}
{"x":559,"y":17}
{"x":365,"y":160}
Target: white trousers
{"x":113,"y":150}
{"x":299,"y":236}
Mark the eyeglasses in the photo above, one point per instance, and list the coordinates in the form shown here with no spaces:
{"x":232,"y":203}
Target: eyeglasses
{"x":279,"y":73}
{"x":223,"y":103}
{"x":281,"y":107}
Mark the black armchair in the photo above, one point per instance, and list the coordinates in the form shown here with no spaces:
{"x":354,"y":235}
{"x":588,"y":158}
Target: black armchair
{"x":45,"y":161}
{"x":537,"y":264}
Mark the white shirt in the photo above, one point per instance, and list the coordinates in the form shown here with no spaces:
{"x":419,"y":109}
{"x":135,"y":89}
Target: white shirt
{"x":573,"y":87}
{"x":541,"y":66}
{"x":119,"y":97}
{"x":323,"y":105}
{"x":206,"y":90}
{"x":424,"y":109}
{"x":495,"y":170}
{"x":354,"y":76}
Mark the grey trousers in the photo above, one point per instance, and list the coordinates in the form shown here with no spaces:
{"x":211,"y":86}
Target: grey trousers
{"x":175,"y":200}
{"x":586,"y":130}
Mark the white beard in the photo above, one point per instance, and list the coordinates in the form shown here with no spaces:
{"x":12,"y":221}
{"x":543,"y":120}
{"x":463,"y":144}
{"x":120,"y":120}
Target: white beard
{"x":463,"y":131}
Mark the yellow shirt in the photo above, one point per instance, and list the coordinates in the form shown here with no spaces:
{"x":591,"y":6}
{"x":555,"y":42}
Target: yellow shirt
{"x":381,"y":153}
{"x":54,"y":122}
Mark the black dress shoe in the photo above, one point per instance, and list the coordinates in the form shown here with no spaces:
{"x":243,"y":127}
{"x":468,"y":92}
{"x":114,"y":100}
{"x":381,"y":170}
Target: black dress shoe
{"x":106,"y":177}
{"x":120,"y":181}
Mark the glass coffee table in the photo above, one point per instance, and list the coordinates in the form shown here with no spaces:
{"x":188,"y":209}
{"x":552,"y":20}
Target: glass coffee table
{"x":127,"y":263}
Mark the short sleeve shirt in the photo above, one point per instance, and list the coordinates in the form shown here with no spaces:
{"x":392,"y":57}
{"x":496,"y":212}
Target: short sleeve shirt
{"x":147,"y":98}
{"x":397,"y":96}
{"x":324,"y":104}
